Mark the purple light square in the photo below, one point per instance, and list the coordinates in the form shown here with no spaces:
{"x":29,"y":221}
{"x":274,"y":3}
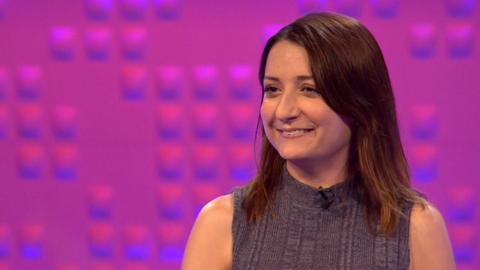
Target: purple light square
{"x":424,"y":162}
{"x":170,"y":161}
{"x":462,"y":203}
{"x":206,"y":158}
{"x":205,"y":82}
{"x":385,"y":8}
{"x":170,"y":201}
{"x":241,"y":82}
{"x":169,"y":81}
{"x":133,"y":9}
{"x":64,"y":161}
{"x":460,"y":40}
{"x":205,"y":119}
{"x":137,"y":244}
{"x":309,"y":6}
{"x":30,"y":161}
{"x":171,"y":232}
{"x":30,"y":121}
{"x":169,"y":118}
{"x":134,"y":82}
{"x":29,"y":82}
{"x":98,"y":43}
{"x":5,"y":241}
{"x":133,"y":42}
{"x":98,"y":9}
{"x":422,"y":41}
{"x":167,"y":9}
{"x":2,"y":8}
{"x":424,"y":122}
{"x":100,"y":240}
{"x":241,"y":120}
{"x":171,"y":253}
{"x":349,"y":7}
{"x":241,"y":165}
{"x":62,"y":42}
{"x":64,"y":122}
{"x":460,"y":8}
{"x":100,"y":201}
{"x":32,"y":241}
{"x":464,"y":236}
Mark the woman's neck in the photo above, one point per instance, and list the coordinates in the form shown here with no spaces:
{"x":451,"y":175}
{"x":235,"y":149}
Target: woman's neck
{"x":317,"y":175}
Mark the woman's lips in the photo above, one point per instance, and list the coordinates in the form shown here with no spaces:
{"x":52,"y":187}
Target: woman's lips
{"x":292,"y":134}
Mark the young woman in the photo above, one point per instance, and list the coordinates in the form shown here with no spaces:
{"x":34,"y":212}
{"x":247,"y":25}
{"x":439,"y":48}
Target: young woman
{"x":332,"y":189}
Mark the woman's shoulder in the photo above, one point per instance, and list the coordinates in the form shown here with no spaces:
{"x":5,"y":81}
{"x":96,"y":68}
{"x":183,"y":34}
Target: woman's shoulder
{"x":425,"y":211}
{"x":219,"y":207}
{"x":224,"y":206}
{"x":426,"y":219}
{"x":429,"y":241}
{"x":217,"y":213}
{"x":425,"y":216}
{"x":210,"y":241}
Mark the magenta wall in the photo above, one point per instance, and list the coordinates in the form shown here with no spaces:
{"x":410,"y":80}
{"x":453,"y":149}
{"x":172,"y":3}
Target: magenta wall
{"x":119,"y":119}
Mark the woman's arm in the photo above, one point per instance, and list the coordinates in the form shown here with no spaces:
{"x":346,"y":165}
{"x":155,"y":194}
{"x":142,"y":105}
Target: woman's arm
{"x":209,"y":245}
{"x":429,"y":243}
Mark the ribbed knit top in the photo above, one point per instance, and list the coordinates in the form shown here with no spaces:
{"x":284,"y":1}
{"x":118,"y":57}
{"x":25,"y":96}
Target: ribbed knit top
{"x":314,"y":229}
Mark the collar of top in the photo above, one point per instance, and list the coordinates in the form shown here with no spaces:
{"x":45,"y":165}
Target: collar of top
{"x":320,"y":198}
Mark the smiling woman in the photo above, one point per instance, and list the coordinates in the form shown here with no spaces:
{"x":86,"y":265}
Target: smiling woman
{"x":333,"y":187}
{"x":297,"y":121}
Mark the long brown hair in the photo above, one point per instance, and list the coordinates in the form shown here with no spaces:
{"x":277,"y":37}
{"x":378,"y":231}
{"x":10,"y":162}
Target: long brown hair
{"x":351,"y":75}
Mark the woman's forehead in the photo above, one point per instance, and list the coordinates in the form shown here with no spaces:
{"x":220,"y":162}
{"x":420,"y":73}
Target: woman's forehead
{"x":287,"y":61}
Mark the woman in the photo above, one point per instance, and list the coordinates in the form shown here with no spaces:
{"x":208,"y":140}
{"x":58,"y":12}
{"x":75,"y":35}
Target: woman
{"x":332,"y":189}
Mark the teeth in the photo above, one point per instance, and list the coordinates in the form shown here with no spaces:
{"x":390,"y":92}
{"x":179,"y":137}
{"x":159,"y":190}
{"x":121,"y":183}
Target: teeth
{"x":295,"y":132}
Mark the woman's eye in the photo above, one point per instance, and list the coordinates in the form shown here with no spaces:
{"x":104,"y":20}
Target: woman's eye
{"x":270,"y":89}
{"x":309,"y":89}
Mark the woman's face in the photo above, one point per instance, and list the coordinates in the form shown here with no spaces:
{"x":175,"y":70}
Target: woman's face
{"x":297,"y":122}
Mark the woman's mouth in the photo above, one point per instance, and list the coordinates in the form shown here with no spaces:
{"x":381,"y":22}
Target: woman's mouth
{"x":294,"y":133}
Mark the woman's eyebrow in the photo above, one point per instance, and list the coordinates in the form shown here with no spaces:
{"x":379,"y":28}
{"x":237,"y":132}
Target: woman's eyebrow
{"x":298,"y":78}
{"x":271,"y":78}
{"x":304,"y":78}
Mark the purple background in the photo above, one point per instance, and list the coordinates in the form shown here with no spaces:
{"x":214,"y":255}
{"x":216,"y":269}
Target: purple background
{"x":90,"y":139}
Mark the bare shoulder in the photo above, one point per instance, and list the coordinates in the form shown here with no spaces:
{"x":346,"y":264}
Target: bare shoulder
{"x":425,"y":214}
{"x":220,"y":204}
{"x":429,"y":242}
{"x":210,"y":241}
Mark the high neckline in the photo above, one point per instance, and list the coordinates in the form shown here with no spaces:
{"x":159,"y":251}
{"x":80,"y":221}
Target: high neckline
{"x":318,"y":198}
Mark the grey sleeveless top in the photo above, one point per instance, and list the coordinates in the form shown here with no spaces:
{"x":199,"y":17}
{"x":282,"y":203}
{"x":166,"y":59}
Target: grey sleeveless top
{"x":314,"y":229}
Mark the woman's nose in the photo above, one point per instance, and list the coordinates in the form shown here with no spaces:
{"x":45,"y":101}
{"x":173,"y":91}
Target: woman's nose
{"x":287,"y":108}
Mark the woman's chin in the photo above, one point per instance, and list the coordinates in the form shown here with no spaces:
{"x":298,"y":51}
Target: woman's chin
{"x":293,"y":155}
